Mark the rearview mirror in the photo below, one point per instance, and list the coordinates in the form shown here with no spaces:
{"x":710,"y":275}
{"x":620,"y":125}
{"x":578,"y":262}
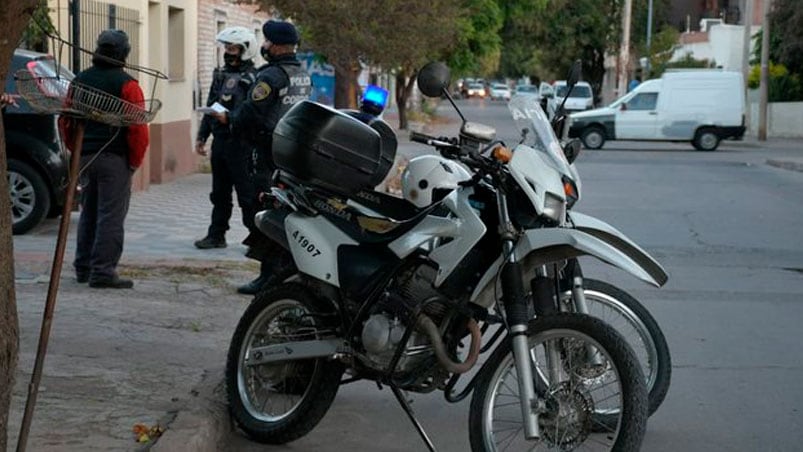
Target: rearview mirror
{"x":433,"y":79}
{"x":572,"y":149}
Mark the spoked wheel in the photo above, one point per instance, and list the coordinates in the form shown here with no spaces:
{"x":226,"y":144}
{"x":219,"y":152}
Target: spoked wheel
{"x":280,"y":401}
{"x":637,"y":326}
{"x":573,"y":394}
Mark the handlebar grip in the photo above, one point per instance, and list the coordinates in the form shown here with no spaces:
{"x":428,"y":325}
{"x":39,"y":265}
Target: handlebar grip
{"x":420,"y":138}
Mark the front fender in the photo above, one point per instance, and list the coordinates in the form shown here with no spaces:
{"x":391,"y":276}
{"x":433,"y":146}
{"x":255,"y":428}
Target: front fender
{"x":543,"y":246}
{"x":613,"y":237}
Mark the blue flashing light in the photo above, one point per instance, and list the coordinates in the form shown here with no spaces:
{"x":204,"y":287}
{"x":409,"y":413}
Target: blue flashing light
{"x":376,"y":96}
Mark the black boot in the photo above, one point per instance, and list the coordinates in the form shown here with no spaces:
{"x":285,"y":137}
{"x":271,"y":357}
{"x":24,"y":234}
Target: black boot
{"x":209,"y":242}
{"x":256,"y":285}
{"x":253,"y":287}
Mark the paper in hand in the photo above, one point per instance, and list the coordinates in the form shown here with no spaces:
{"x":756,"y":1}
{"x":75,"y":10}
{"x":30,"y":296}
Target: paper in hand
{"x":215,"y":108}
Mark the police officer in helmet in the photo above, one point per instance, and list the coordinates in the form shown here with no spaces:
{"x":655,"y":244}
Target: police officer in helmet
{"x":280,"y":83}
{"x":231,"y":156}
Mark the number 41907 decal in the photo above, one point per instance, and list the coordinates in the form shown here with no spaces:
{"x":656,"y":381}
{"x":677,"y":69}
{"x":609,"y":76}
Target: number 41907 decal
{"x":306,"y":245}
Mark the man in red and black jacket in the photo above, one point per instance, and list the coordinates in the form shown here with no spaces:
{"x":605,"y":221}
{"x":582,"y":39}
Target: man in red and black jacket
{"x":109,"y":157}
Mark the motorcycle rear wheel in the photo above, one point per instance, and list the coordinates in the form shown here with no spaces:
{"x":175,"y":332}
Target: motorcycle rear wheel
{"x":639,"y":328}
{"x":571,"y":407}
{"x":281,"y":401}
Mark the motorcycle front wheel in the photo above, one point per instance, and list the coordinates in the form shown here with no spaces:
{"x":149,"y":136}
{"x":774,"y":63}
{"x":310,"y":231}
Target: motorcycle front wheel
{"x":280,"y":401}
{"x":639,"y":328}
{"x":570,"y":406}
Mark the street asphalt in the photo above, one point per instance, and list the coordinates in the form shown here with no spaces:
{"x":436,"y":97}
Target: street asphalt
{"x":154,"y":354}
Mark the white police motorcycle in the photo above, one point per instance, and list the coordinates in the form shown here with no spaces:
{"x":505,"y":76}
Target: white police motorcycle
{"x":409,"y":292}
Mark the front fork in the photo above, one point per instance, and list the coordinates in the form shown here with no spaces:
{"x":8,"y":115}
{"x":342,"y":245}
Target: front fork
{"x":517,"y":317}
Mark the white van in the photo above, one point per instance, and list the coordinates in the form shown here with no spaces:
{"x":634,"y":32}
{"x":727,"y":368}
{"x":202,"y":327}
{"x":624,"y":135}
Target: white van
{"x":700,"y":106}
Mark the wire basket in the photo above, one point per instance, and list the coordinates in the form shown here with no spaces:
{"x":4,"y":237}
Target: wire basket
{"x":55,"y":94}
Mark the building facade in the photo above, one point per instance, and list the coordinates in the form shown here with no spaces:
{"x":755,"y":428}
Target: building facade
{"x":163,"y":35}
{"x":213,"y":17}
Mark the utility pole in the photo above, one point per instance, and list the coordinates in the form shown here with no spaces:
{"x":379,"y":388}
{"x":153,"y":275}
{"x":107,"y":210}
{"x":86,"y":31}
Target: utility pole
{"x":748,"y":24}
{"x":765,"y":70}
{"x":646,"y":74}
{"x":624,"y":51}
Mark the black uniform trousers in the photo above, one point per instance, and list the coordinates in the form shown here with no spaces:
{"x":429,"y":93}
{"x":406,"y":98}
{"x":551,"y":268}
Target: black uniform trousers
{"x":230,"y":169}
{"x":105,"y":194}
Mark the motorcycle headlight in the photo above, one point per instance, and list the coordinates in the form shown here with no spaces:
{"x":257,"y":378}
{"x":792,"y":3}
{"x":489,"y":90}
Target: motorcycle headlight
{"x":554,"y":207}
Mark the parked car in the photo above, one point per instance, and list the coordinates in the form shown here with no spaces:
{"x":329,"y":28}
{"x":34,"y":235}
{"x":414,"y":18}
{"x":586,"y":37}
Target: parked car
{"x":528,"y":90}
{"x":580,"y":99}
{"x":475,"y":90}
{"x":37,"y":166}
{"x":499,"y":91}
{"x":701,"y":107}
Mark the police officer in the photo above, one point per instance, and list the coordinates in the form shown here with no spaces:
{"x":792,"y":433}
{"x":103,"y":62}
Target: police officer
{"x":280,"y":83}
{"x":230,"y":155}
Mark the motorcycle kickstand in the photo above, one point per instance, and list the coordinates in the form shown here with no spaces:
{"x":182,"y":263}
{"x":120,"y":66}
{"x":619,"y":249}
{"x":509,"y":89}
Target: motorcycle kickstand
{"x":409,"y":411}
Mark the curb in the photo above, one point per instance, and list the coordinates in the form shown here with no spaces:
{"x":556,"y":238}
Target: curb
{"x":793,"y":165}
{"x":202,"y":423}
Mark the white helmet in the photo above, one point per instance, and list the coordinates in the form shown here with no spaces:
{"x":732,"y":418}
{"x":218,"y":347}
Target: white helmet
{"x":240,"y":36}
{"x":428,"y":174}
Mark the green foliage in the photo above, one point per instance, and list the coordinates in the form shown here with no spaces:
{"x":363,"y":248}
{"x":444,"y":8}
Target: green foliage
{"x":663,"y":47}
{"x":786,"y":27}
{"x":541,"y":38}
{"x":478,"y":45}
{"x":775,"y":42}
{"x":783,"y":86}
{"x":687,"y":62}
{"x":35,"y":35}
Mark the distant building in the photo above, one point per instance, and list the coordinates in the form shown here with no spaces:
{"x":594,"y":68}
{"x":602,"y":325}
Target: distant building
{"x":685,"y":15}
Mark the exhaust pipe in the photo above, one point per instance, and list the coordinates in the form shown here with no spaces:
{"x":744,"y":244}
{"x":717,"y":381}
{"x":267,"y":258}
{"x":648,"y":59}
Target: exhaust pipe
{"x":428,"y":326}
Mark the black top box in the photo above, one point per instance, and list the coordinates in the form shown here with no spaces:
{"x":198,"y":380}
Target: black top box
{"x":329,"y":148}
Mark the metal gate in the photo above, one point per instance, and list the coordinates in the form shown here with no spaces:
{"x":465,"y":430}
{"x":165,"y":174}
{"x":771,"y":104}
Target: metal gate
{"x":88,"y":18}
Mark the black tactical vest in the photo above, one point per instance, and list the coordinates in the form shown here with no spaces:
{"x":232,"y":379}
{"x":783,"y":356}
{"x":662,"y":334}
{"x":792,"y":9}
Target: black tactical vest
{"x":234,"y":87}
{"x":299,"y":88}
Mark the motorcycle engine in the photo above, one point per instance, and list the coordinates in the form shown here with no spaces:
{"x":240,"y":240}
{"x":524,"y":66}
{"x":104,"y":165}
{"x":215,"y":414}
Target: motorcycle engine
{"x":390,"y":318}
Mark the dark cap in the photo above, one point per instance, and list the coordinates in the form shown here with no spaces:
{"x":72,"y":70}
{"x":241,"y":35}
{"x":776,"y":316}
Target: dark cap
{"x":280,"y":32}
{"x":113,"y":44}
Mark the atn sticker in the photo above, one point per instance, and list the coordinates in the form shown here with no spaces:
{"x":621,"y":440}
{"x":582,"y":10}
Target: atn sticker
{"x":260,"y":92}
{"x":306,"y":245}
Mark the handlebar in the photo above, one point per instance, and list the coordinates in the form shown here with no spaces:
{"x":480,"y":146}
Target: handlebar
{"x":432,"y":141}
{"x":451,"y":149}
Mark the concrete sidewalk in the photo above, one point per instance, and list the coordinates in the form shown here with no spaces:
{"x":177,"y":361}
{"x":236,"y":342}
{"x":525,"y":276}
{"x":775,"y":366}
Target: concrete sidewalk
{"x":117,"y":358}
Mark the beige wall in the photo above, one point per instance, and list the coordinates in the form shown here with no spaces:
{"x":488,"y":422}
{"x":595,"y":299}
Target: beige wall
{"x":161,"y":35}
{"x":171,"y":28}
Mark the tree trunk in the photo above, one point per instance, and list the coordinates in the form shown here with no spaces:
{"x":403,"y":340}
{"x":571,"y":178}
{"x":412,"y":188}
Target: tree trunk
{"x":346,"y":86}
{"x":14,"y":17}
{"x":404,"y":88}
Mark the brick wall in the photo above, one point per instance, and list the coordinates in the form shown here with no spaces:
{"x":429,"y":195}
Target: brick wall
{"x":210,"y":13}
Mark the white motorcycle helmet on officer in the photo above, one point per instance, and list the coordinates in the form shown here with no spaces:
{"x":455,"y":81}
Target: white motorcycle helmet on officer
{"x":427,"y":174}
{"x":240,"y":44}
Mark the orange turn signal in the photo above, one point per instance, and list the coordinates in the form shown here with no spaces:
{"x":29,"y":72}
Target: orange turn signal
{"x":502,"y":154}
{"x":569,"y":190}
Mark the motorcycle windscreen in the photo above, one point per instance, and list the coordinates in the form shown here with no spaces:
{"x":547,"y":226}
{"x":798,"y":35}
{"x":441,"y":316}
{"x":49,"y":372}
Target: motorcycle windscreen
{"x":532,"y":122}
